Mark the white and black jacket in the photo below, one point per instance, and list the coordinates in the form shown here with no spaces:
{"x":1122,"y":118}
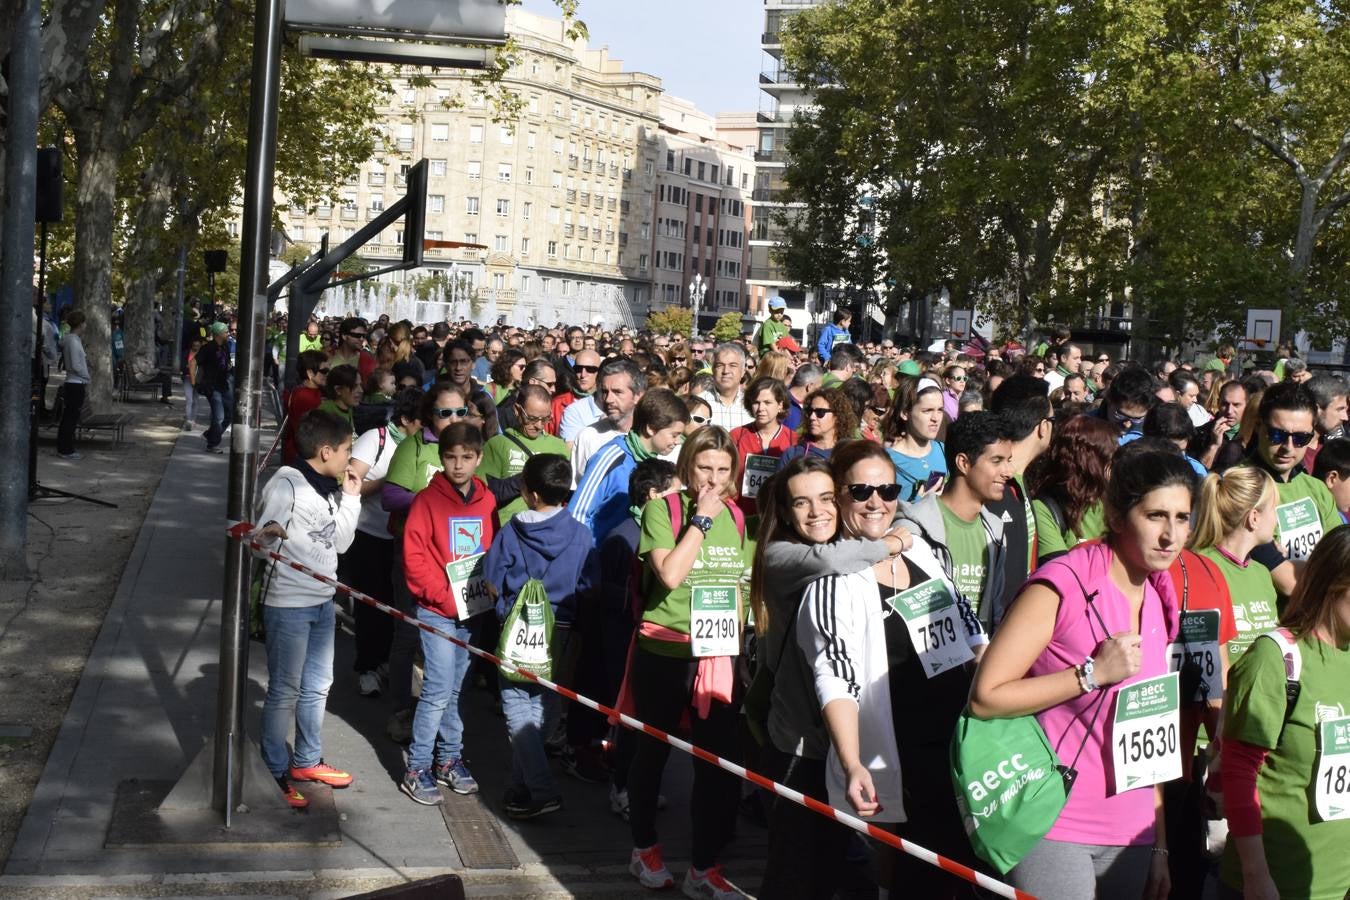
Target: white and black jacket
{"x":318,"y":528}
{"x":841,"y":630}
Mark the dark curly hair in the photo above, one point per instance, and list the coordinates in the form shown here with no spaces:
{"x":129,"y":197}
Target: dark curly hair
{"x":845,"y":419}
{"x":1076,"y":467}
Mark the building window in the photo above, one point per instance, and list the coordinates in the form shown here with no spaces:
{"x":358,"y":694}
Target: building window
{"x":437,"y":167}
{"x":525,"y":210}
{"x":557,"y":180}
{"x":503,"y":207}
{"x":524,"y":246}
{"x":552,"y":252}
{"x":440,"y":133}
{"x":503,"y":171}
{"x":474,"y":169}
{"x":436,"y":203}
{"x":554,"y":215}
{"x":470,"y":237}
{"x":498,"y":281}
{"x":529,"y":176}
{"x":471,"y":205}
{"x":475,"y":134}
{"x":701,"y":170}
{"x":670,"y":160}
{"x":642,"y":262}
{"x":557,"y":146}
{"x":647,"y":167}
{"x":501,"y":243}
{"x":505,"y":134}
{"x":557,"y":109}
{"x":534,"y":98}
{"x":524,"y":283}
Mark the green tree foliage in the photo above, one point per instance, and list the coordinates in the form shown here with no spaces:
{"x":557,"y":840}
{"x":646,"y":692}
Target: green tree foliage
{"x":1049,"y":161}
{"x":674,"y":320}
{"x":727,"y":327}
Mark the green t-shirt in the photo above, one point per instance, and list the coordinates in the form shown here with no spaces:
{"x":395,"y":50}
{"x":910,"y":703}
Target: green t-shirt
{"x":503,"y":457}
{"x":332,"y":407}
{"x":1308,"y":857}
{"x":769,"y":333}
{"x":415,"y":462}
{"x":1253,"y":594}
{"x":1305,"y":513}
{"x":723,"y":557}
{"x":1031,"y":521}
{"x":969,"y":546}
{"x":1049,"y":539}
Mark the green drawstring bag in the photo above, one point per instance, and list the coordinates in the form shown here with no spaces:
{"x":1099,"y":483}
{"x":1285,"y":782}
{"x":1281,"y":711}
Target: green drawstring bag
{"x":527,"y":633}
{"x":1010,"y":785}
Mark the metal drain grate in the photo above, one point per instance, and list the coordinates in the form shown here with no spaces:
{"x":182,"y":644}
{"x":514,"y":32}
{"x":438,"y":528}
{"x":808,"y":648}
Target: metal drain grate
{"x":477,"y":834}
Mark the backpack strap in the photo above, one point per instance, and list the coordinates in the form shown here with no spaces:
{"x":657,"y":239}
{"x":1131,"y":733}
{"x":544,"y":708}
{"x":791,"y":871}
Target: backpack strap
{"x":513,"y":439}
{"x":677,"y":515}
{"x":1293,"y":669}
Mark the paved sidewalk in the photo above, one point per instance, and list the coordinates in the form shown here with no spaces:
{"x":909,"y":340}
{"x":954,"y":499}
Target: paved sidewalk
{"x":145,"y":706}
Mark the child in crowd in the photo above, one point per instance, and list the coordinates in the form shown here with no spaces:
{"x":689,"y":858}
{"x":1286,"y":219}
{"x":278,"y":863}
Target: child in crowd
{"x":189,"y":381}
{"x":448,"y":531}
{"x":542,"y":542}
{"x":309,"y":514}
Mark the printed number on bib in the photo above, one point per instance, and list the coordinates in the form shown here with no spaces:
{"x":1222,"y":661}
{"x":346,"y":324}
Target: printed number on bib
{"x":1144,"y":743}
{"x":758,"y":469}
{"x":470,"y":590}
{"x":1331,"y":791}
{"x":527,"y":644}
{"x":935,"y":628}
{"x":1300,"y":527}
{"x":1198,"y":649}
{"x":714,"y":622}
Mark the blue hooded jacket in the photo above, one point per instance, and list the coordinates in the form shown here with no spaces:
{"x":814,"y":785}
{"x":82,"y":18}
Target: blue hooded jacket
{"x":551,"y":546}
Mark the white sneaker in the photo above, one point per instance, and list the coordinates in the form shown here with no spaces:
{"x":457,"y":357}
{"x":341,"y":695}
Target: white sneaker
{"x":709,"y":885}
{"x":648,"y":868}
{"x":618,"y":802}
{"x":368,"y":683}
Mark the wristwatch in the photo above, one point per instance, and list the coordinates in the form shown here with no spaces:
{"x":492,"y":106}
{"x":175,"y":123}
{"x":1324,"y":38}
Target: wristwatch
{"x":702,"y":523}
{"x":1085,"y":679}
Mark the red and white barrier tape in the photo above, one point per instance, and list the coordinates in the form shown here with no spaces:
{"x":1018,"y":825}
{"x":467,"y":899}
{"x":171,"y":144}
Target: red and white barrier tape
{"x":281,"y":430}
{"x":242,"y":530}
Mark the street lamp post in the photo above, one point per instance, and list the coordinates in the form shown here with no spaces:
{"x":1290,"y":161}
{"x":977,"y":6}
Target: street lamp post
{"x":697,"y":291}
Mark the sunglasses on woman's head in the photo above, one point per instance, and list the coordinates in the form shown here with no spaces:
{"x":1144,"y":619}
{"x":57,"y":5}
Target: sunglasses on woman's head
{"x":447,"y":412}
{"x":862,"y":492}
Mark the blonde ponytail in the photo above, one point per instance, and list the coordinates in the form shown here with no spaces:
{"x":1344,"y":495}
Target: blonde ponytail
{"x":1225,"y":500}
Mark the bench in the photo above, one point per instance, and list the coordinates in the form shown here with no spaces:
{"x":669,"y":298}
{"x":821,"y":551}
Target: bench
{"x":114,"y":425}
{"x":126,"y":384}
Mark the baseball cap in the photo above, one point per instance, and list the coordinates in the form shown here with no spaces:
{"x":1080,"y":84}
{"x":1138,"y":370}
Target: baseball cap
{"x":777,"y":303}
{"x":909,"y":367}
{"x":219,"y":328}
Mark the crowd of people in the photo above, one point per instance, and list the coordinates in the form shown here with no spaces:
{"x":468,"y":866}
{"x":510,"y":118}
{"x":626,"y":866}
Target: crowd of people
{"x":822,"y":563}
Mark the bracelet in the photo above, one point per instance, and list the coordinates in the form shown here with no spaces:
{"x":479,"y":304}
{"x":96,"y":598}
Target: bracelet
{"x":1160,"y":851}
{"x":1082,"y":682}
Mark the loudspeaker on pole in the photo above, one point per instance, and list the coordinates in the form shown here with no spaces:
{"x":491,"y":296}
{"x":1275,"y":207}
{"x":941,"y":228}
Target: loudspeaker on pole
{"x":50,"y":185}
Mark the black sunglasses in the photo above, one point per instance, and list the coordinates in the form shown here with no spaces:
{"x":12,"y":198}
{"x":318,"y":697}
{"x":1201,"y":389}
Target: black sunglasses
{"x":820,"y":412}
{"x":879,"y":410}
{"x":588,"y":370}
{"x":862,"y":492}
{"x":1278,"y":437}
{"x":323,"y":370}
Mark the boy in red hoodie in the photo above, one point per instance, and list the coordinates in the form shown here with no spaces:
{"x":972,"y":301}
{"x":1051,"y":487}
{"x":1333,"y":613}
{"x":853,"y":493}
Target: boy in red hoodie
{"x":448,"y":532}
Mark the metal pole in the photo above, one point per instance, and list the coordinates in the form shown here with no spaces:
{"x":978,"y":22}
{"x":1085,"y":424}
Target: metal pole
{"x":16,"y":288}
{"x":230,"y":746}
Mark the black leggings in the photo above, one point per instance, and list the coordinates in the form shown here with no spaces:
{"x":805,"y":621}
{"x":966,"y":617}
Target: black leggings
{"x":368,"y":566}
{"x":806,"y":850}
{"x":663,"y":690}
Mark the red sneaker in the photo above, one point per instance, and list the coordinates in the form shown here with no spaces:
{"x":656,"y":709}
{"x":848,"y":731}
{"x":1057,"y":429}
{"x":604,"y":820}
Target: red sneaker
{"x":294,"y":798}
{"x":323,"y":773}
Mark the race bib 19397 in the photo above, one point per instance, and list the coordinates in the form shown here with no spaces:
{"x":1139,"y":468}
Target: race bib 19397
{"x":1300,"y":527}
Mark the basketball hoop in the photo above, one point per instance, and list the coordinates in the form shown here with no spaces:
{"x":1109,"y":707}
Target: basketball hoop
{"x":958,"y":332}
{"x":1259,"y":342}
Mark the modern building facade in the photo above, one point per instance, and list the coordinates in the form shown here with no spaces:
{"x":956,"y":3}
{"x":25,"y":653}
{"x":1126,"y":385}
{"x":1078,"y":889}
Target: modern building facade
{"x":700,"y":239}
{"x":781,"y":98}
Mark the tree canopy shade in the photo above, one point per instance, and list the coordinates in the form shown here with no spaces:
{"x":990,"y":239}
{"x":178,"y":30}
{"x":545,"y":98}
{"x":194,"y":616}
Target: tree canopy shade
{"x":1047,"y":161}
{"x":674,"y":320}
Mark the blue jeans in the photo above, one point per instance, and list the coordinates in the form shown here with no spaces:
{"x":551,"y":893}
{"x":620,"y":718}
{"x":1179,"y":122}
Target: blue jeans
{"x":532,"y":714}
{"x":299,"y":673}
{"x":220,"y":409}
{"x":445,"y":666}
